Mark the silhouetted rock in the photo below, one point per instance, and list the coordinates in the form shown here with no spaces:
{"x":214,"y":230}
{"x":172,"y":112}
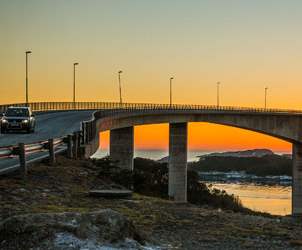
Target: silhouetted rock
{"x":164,"y":159}
{"x":267,"y":165}
{"x":60,"y":231}
{"x":244,"y":153}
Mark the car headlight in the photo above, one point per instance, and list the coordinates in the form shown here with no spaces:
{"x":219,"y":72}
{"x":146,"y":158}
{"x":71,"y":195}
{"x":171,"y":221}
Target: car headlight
{"x":4,"y":120}
{"x":25,"y":121}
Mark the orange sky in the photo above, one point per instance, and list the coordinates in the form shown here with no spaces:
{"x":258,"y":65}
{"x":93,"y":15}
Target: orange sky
{"x":204,"y":137}
{"x":245,"y":45}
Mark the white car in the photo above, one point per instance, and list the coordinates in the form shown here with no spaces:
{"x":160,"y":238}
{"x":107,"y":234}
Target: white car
{"x":18,"y":118}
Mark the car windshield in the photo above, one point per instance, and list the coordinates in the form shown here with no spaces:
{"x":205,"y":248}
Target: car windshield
{"x":17,"y":112}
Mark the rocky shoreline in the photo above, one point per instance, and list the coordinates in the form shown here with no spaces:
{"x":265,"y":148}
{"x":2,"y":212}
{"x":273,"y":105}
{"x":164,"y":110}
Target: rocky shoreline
{"x":69,"y":230}
{"x":64,"y":188}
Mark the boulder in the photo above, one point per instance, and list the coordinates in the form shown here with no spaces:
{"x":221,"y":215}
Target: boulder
{"x":68,"y":230}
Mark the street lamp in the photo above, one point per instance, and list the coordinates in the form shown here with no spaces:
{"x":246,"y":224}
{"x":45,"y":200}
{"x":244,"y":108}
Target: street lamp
{"x":26,"y":77}
{"x":171,"y":78}
{"x":265,"y":97}
{"x":218,"y":88}
{"x":120,"y":85}
{"x":74,"y":83}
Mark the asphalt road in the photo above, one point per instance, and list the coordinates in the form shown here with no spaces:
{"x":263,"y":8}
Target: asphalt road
{"x":48,"y":125}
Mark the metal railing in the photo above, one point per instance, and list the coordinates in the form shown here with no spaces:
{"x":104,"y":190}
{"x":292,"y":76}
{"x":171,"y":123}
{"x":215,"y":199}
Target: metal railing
{"x":70,"y":143}
{"x":57,"y":106}
{"x":10,"y":151}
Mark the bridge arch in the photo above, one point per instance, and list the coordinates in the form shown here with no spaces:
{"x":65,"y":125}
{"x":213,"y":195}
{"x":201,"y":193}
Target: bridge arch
{"x":284,"y":126}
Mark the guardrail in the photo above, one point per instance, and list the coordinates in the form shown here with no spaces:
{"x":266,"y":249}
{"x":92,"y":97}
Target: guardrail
{"x":70,"y":143}
{"x":11,"y":151}
{"x":56,"y":106}
{"x":6,"y":152}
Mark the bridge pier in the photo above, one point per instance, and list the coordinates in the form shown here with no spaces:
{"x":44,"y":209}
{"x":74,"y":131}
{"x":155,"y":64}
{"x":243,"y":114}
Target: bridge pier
{"x":122,"y":147}
{"x":297,"y":180}
{"x":178,"y":161}
{"x":91,"y":147}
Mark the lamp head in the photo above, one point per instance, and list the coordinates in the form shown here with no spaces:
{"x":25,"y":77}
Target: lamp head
{"x":27,"y":52}
{"x":76,"y":64}
{"x":171,"y":78}
{"x":120,"y":72}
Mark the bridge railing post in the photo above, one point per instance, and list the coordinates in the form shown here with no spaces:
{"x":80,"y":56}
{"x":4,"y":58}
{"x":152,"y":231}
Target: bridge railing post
{"x":51,"y":148}
{"x":94,"y":129}
{"x":75,"y":145}
{"x":84,"y":135}
{"x":89,"y":131}
{"x":69,"y":146}
{"x":22,"y":160}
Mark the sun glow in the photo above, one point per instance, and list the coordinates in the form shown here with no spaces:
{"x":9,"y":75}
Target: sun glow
{"x":203,"y":137}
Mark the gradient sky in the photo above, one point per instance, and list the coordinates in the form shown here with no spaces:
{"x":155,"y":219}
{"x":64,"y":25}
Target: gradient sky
{"x":246,"y":45}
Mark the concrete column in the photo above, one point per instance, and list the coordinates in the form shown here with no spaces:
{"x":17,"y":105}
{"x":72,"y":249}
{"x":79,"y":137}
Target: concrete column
{"x":122,"y":147}
{"x":297,"y":180}
{"x":178,"y":161}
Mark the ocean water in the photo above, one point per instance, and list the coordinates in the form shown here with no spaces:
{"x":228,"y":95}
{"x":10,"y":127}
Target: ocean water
{"x":153,"y":154}
{"x":273,"y":199}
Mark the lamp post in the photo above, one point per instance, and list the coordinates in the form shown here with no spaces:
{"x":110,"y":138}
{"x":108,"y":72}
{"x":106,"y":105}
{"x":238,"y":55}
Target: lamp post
{"x":171,"y":78}
{"x":26,"y":76}
{"x":265,"y":97}
{"x":120,"y":85}
{"x":74,"y":83}
{"x":218,"y":94}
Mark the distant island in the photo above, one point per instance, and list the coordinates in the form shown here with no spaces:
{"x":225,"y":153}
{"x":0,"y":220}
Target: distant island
{"x":260,"y":162}
{"x":244,"y":153}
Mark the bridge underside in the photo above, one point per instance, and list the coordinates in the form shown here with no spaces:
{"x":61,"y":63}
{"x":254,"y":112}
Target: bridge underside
{"x":121,"y":142}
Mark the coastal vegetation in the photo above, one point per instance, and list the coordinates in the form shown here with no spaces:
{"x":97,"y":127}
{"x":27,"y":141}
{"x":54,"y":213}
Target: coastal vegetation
{"x":261,"y":166}
{"x":151,"y":178}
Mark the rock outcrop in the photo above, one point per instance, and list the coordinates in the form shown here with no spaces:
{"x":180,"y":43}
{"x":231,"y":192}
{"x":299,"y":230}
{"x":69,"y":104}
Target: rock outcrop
{"x":243,"y":154}
{"x":68,"y":231}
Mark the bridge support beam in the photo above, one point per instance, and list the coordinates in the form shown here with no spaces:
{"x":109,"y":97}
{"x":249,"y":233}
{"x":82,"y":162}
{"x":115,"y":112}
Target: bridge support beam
{"x":122,"y":147}
{"x":297,"y":180}
{"x":178,"y":161}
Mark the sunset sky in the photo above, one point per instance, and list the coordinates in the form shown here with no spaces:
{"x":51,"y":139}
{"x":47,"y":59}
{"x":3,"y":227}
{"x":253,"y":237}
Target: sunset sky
{"x":246,"y":45}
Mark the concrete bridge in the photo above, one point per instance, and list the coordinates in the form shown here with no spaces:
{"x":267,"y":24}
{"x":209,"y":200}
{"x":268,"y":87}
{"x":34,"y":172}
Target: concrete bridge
{"x":283,"y":125}
{"x":121,"y":118}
